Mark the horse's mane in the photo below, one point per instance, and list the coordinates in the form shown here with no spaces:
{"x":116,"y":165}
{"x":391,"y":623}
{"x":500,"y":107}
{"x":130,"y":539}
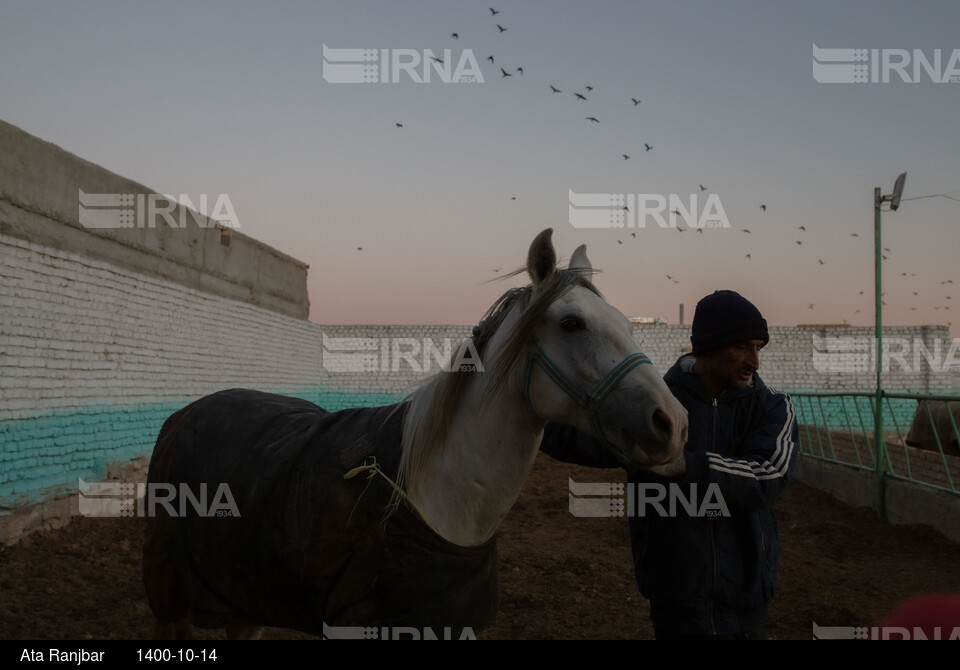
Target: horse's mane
{"x":431,"y":406}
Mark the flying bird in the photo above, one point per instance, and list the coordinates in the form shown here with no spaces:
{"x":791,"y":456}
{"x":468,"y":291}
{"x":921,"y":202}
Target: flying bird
{"x":702,"y":187}
{"x":555,"y":89}
{"x":647,"y":146}
{"x":490,"y":58}
{"x":589,"y":88}
{"x":581,"y":97}
{"x":626,"y":157}
{"x":763,"y":208}
{"x":635,"y":101}
{"x":399,"y":125}
{"x":493,"y":12}
{"x":593,"y":119}
{"x":505,"y":73}
{"x":803,"y":228}
{"x":435,"y":59}
{"x":455,"y":36}
{"x":520,"y":70}
{"x":502,"y":29}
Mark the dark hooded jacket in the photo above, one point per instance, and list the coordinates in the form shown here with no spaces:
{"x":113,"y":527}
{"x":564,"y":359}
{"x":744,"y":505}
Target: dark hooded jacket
{"x":705,"y":546}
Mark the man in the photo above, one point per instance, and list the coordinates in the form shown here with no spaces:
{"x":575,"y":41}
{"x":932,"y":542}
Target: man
{"x":711,"y":574}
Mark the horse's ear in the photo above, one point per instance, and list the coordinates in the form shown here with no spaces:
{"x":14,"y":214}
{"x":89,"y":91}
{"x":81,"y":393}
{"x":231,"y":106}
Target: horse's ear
{"x":579,"y":262}
{"x":542,"y":259}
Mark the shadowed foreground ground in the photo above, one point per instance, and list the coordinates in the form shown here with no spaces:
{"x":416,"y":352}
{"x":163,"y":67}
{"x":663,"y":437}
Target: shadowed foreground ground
{"x":562,"y":577}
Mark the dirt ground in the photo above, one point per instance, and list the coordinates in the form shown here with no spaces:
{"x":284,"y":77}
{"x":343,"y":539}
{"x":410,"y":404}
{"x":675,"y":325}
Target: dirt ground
{"x":562,"y":577}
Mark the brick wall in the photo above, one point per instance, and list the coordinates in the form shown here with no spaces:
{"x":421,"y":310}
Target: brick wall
{"x":94,"y":358}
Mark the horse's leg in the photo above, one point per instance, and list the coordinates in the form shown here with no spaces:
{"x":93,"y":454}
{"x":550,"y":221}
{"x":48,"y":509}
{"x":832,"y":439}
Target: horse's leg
{"x":173,"y":630}
{"x":244,"y":632}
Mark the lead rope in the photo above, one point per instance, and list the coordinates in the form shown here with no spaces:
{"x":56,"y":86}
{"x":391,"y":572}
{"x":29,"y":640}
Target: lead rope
{"x":373,"y":468}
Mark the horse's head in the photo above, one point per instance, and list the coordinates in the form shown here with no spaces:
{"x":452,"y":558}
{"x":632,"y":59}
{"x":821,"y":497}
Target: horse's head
{"x":584,"y":367}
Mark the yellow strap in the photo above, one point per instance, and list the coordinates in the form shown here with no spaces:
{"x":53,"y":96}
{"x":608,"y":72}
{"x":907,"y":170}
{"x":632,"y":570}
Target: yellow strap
{"x":374,"y":469}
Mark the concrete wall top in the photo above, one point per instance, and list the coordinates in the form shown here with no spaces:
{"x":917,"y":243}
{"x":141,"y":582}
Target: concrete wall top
{"x":40,"y":187}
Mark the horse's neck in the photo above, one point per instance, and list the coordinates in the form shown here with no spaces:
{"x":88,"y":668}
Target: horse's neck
{"x":490,"y":449}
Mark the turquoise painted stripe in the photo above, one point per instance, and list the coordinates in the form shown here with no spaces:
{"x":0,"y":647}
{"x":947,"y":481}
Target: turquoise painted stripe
{"x":42,"y":454}
{"x":850,"y":411}
{"x":333,"y":401}
{"x":47,"y":454}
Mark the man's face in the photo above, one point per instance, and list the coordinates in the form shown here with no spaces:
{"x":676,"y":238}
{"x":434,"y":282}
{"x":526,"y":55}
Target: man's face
{"x":731,"y":367}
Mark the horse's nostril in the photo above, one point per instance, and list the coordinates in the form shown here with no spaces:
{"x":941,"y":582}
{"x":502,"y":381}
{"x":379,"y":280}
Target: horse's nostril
{"x":661,"y":424}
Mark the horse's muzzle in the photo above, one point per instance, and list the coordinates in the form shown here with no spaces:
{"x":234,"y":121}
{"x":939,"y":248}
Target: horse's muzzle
{"x":659,"y":434}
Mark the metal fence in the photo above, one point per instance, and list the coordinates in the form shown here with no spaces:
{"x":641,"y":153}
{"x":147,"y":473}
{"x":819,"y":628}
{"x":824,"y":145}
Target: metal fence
{"x":921,"y":441}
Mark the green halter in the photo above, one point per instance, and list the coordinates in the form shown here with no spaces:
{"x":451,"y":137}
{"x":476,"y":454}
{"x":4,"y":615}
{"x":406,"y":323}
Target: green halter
{"x":588,"y":402}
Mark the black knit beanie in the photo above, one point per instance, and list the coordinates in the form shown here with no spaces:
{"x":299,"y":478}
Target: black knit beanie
{"x":725,"y":317}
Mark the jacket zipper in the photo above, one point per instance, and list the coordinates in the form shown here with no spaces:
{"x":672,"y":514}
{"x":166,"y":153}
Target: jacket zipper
{"x":714,"y":528}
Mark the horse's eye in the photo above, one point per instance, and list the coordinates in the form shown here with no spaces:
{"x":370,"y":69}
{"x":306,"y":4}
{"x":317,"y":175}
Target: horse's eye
{"x":572,"y":323}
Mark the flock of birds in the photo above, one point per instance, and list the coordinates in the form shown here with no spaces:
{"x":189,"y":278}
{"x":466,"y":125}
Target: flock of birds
{"x":583,"y":96}
{"x":518,"y":70}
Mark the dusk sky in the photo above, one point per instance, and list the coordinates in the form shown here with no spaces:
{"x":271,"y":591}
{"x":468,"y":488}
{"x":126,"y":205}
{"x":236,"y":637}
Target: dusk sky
{"x":406,"y":225}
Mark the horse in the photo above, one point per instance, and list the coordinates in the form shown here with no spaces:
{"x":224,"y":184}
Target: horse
{"x":935,"y":426}
{"x":386,"y":517}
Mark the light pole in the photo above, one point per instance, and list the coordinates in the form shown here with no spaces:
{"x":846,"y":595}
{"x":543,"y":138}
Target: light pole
{"x":894,"y":200}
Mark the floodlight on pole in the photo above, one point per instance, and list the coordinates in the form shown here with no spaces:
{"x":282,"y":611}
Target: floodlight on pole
{"x":880,"y":443}
{"x":897,"y":192}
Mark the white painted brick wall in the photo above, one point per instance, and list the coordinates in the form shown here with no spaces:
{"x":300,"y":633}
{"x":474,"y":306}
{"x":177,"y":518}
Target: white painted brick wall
{"x":76,"y":331}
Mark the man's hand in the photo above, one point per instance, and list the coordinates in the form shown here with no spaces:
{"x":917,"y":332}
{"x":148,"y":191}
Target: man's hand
{"x":677,"y":468}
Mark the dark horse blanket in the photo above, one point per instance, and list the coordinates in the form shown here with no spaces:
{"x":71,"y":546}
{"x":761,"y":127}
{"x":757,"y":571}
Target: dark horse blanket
{"x":308,"y":547}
